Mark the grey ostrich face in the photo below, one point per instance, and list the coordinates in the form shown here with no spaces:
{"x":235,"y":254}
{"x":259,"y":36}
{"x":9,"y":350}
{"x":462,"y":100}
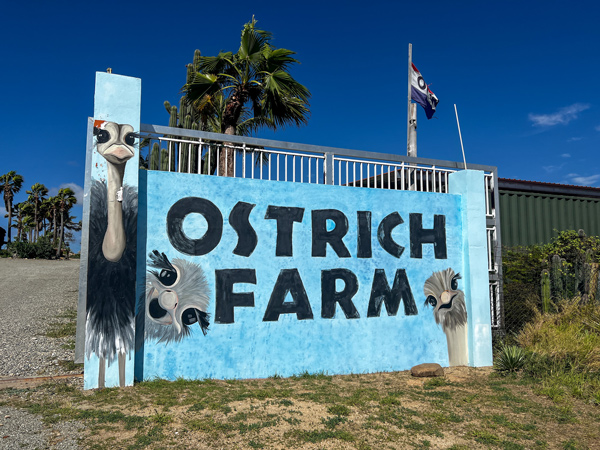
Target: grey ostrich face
{"x":448,"y":302}
{"x":177,"y":297}
{"x":114,"y":141}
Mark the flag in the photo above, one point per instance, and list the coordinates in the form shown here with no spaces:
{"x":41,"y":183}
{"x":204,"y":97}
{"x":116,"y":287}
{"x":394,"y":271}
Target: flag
{"x":421,"y":94}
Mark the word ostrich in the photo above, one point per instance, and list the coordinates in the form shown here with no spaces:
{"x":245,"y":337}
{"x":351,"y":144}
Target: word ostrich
{"x":449,"y":310}
{"x":112,"y":250}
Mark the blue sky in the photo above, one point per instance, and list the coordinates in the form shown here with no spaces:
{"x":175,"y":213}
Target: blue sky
{"x":524,"y":77}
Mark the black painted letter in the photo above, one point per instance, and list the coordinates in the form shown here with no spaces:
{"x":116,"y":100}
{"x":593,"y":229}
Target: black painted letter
{"x":285,"y":216}
{"x":288,"y":281}
{"x":363,"y":244}
{"x":380,"y":292}
{"x":178,"y":238}
{"x":329,"y":295}
{"x":436,"y":236}
{"x":226,"y":299}
{"x":238,"y":219}
{"x":384,"y":234}
{"x":321,"y":237}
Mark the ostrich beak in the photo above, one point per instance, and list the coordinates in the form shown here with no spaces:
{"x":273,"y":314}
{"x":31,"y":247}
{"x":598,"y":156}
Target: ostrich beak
{"x":168,"y":299}
{"x":446,"y":298}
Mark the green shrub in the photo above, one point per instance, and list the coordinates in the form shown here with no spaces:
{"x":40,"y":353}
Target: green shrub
{"x":510,"y":358}
{"x":567,"y":340}
{"x":22,"y":249}
{"x":44,"y":248}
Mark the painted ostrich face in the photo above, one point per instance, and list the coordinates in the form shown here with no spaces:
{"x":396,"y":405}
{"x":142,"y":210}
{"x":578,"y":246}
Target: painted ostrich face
{"x":114,"y":141}
{"x":177,"y":297}
{"x":448,"y":302}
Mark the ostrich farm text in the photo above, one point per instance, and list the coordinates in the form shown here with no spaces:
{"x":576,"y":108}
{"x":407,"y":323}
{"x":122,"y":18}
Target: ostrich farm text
{"x":328,"y":227}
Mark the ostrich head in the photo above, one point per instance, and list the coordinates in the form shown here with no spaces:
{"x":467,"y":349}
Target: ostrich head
{"x":448,"y":302}
{"x":114,"y":141}
{"x":177,"y":296}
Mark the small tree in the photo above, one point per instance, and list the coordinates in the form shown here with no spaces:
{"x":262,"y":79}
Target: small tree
{"x":10,"y":183}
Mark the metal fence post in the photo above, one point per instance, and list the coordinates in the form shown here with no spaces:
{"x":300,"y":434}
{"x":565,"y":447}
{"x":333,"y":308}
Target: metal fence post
{"x":328,"y":168}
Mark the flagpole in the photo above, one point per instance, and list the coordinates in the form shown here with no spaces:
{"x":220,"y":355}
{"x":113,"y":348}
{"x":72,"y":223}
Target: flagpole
{"x":460,"y":136}
{"x":408,"y":112}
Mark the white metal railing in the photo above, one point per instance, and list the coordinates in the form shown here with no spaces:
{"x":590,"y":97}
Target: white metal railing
{"x":491,"y":245}
{"x":387,"y":175}
{"x":238,"y":160}
{"x":490,"y":210}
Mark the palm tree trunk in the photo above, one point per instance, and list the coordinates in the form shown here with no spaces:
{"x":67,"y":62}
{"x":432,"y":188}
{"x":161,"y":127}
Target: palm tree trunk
{"x":35,"y":221}
{"x":54,"y":236}
{"x":62,"y":230}
{"x":9,"y":221}
{"x":227,"y":156}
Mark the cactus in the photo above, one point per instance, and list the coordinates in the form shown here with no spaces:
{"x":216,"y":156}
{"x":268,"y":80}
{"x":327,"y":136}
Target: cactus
{"x":557,"y":285}
{"x":545,"y":291}
{"x":155,"y":157}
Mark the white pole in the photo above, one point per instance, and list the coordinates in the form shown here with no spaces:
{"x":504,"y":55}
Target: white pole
{"x":408,"y":112}
{"x":460,"y":136}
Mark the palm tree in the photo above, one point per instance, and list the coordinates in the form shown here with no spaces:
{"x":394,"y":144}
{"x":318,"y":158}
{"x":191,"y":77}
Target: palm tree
{"x":36,"y":197}
{"x":65,"y":200}
{"x":225,"y":86}
{"x":10,"y":183}
{"x":50,"y":205}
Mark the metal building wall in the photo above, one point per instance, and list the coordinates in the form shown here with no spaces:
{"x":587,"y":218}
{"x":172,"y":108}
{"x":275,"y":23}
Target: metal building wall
{"x":532,"y":217}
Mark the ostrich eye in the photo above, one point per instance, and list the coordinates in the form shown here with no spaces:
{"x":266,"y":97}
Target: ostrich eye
{"x":102,"y":136}
{"x":155,"y":310}
{"x":129,"y":139}
{"x":454,"y":282}
{"x":167,"y":277}
{"x":432,"y":301}
{"x":189,"y":316}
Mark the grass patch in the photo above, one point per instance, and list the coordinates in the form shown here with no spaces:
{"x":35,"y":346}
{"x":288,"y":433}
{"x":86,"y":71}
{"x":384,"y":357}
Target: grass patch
{"x":61,"y":330}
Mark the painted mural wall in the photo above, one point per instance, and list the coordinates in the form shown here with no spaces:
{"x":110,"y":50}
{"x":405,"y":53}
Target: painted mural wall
{"x":247,"y":278}
{"x":112,"y":196}
{"x":199,"y":276}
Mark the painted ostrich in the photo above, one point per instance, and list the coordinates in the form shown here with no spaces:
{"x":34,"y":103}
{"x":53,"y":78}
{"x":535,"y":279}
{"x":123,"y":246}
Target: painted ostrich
{"x":177,"y":296}
{"x":111,"y":256}
{"x":449,"y":310}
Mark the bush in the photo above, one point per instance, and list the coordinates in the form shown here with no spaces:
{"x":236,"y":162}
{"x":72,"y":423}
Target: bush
{"x":42,"y":249}
{"x":522,"y":268}
{"x":566,"y":341}
{"x":22,"y":249}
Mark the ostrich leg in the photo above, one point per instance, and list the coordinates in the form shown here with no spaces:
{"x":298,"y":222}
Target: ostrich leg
{"x":122,"y":360}
{"x":101,"y":372}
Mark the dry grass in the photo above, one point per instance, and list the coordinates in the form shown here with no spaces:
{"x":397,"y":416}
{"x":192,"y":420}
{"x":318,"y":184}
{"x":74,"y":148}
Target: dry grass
{"x":468,"y":409}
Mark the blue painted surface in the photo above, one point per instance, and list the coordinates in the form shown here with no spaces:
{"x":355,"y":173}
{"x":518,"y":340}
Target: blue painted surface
{"x":469,"y":185}
{"x":253,"y":348}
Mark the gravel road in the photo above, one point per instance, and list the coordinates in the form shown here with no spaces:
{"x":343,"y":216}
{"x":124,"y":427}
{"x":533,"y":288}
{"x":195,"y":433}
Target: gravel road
{"x":33,"y":293}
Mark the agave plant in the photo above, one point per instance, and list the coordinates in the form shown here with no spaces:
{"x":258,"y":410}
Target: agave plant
{"x":510,"y":358}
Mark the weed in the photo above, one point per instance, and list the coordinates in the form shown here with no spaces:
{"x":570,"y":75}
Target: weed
{"x":332,"y":422}
{"x":61,"y":330}
{"x":69,"y":365}
{"x":254,"y":444}
{"x":484,"y":437}
{"x":339,"y":410}
{"x":435,"y":382}
{"x":315,"y":436}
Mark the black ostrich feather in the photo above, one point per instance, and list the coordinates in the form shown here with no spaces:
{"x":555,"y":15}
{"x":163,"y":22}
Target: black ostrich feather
{"x":111,"y":285}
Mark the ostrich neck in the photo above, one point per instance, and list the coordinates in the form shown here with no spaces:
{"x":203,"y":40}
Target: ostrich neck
{"x":114,"y":241}
{"x":458,"y":351}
